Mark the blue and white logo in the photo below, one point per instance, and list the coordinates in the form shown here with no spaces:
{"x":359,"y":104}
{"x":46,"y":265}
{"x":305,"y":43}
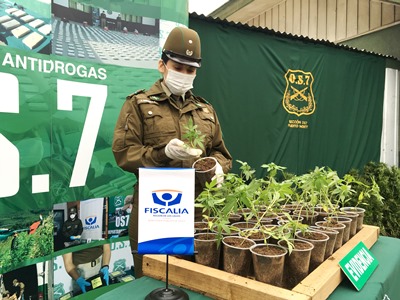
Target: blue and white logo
{"x":90,"y":223}
{"x":167,"y":197}
{"x":91,"y":220}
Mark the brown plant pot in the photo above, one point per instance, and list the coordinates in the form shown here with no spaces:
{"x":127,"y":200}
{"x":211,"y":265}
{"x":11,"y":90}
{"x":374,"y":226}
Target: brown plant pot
{"x":236,"y":255}
{"x":205,"y":169}
{"x":256,"y":235}
{"x":243,"y":225}
{"x":333,"y":226}
{"x":297,"y":263}
{"x":233,"y":218}
{"x":208,"y":249}
{"x":330,"y":244}
{"x":201,"y":227}
{"x":346,"y":221}
{"x":291,"y":207}
{"x":354,"y":217}
{"x":319,"y":240}
{"x":310,"y":217}
{"x":322,"y":213}
{"x":268,"y":262}
{"x":360,"y":211}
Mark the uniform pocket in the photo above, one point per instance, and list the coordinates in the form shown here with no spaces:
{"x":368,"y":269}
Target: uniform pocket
{"x":158,"y":125}
{"x":206,"y":124}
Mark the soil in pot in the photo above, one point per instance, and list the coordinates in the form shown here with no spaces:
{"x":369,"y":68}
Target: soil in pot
{"x":297,"y":263}
{"x":291,"y":207}
{"x":330,"y":244}
{"x":319,"y":240}
{"x":256,"y":235}
{"x":243,"y":225}
{"x":208,"y":249}
{"x":204,"y":169}
{"x":233,"y":218}
{"x":322,"y":213}
{"x":236,"y":255}
{"x":343,"y":220}
{"x":201,"y":227}
{"x":268,"y":262}
{"x":333,"y":226}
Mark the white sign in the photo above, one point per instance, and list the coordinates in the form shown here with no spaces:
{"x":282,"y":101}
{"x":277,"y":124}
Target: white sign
{"x":166,"y":211}
{"x":91,"y":214}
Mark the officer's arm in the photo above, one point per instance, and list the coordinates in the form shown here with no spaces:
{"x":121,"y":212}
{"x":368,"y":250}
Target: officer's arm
{"x":106,"y":255}
{"x":69,"y":266}
{"x":80,"y":228}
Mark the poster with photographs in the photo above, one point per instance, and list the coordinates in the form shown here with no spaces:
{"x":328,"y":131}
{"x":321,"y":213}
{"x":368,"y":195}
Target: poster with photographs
{"x":66,"y":69}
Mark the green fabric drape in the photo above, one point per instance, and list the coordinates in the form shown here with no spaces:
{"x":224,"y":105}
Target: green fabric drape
{"x":336,"y":93}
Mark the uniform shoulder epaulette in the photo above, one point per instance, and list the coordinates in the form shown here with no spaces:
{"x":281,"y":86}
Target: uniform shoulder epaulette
{"x":139,"y":91}
{"x":135,"y":93}
{"x":201,"y":99}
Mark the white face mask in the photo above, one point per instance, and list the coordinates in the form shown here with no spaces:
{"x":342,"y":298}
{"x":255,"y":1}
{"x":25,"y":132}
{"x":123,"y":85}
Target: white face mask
{"x":72,"y":216}
{"x":177,"y":82}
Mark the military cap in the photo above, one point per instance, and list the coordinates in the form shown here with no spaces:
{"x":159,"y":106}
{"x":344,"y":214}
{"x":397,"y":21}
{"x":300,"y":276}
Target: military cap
{"x":183,"y":46}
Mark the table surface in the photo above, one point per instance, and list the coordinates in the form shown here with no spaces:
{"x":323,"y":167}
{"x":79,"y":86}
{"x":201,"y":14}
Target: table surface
{"x":384,"y":283}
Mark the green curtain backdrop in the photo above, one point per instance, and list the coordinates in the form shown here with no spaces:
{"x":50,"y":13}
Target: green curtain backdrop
{"x":333,"y":113}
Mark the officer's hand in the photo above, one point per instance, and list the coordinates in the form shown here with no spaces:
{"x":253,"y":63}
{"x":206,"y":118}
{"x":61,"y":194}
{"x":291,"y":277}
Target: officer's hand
{"x":219,"y":175}
{"x":176,"y":149}
{"x":82,"y":284}
{"x":105,"y":272}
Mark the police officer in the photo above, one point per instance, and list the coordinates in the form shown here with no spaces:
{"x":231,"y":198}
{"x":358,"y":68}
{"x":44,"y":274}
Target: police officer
{"x":72,"y":228}
{"x":149,"y":130}
{"x":83,"y":264}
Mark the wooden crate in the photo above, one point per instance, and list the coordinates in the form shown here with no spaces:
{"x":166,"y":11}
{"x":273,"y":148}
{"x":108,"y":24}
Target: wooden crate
{"x":219,"y":284}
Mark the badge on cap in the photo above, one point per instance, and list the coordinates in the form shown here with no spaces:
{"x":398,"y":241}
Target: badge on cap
{"x":189,"y":53}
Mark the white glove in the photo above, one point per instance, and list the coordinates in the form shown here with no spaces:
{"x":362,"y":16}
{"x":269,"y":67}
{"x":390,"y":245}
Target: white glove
{"x":219,"y":175}
{"x":176,"y":149}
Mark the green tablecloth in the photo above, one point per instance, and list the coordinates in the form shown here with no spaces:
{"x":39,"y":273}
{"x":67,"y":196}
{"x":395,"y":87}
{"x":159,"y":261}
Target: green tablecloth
{"x":384,"y":281}
{"x":134,"y":290}
{"x":140,"y":288}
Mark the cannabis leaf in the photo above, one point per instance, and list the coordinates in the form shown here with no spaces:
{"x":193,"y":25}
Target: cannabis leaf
{"x":192,"y":136}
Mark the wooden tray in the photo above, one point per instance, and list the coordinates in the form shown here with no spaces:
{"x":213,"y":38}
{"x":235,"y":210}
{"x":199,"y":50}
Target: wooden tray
{"x":219,"y":284}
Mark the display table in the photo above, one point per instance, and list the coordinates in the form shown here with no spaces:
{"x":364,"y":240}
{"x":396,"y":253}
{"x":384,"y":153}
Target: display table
{"x":384,"y":283}
{"x":384,"y":280}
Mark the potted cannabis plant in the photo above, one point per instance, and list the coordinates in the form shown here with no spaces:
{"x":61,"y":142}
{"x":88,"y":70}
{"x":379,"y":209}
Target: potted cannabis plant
{"x":205,"y":166}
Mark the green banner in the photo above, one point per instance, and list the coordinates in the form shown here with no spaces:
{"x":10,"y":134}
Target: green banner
{"x":62,"y":131}
{"x":66,"y":68}
{"x":291,"y":101}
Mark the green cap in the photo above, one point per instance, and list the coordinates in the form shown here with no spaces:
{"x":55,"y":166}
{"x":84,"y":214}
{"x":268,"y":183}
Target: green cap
{"x":183,"y":46}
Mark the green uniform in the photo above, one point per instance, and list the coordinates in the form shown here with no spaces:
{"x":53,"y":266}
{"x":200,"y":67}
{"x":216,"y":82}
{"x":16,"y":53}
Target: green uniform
{"x":148,"y":121}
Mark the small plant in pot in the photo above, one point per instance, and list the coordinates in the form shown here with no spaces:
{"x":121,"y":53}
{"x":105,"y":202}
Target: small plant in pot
{"x":204,"y":167}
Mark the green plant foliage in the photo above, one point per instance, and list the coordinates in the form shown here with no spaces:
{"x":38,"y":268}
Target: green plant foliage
{"x":381,"y":211}
{"x":28,"y":246}
{"x":192,"y":136}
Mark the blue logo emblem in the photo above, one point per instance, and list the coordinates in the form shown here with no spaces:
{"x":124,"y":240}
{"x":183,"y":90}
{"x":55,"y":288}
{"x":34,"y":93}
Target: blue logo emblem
{"x":167,"y":197}
{"x":90,"y":220}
